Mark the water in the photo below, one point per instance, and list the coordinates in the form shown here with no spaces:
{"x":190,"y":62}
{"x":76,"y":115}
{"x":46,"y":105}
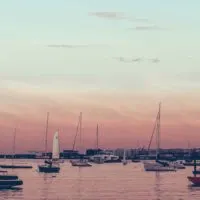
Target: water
{"x":102,"y":182}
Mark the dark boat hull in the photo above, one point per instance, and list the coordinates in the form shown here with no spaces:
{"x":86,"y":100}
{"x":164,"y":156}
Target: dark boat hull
{"x":6,"y":184}
{"x":196,"y":172}
{"x":191,"y":164}
{"x":195,"y":180}
{"x":135,"y":161}
{"x":48,"y":169}
{"x":16,"y":166}
{"x":113,"y":161}
{"x":8,"y":177}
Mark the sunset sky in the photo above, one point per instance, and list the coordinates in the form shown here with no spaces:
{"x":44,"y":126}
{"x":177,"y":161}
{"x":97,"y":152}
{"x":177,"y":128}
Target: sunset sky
{"x":114,"y":60}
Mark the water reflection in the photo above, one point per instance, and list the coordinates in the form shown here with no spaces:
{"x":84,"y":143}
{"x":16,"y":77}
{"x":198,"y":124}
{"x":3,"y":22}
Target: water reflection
{"x":105,"y":182}
{"x":157,"y":185}
{"x":46,"y":186}
{"x":15,"y":193}
{"x":79,"y":183}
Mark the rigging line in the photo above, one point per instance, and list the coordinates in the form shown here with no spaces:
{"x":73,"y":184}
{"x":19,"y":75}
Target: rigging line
{"x":153,"y":132}
{"x":77,"y":128}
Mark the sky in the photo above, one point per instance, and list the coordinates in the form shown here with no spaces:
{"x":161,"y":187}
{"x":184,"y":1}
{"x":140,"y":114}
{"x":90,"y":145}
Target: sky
{"x":112,"y":60}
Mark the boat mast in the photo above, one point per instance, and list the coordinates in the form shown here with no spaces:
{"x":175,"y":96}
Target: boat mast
{"x":154,"y":129}
{"x":158,"y":132}
{"x":80,"y":131}
{"x":14,"y":138}
{"x":46,"y":133}
{"x":97,"y":134}
{"x":73,"y":147}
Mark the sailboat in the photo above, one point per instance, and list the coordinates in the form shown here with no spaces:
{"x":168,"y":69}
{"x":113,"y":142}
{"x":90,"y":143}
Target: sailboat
{"x":158,"y":165}
{"x":97,"y":158}
{"x":81,"y":162}
{"x":15,"y":166}
{"x":124,"y":161}
{"x":52,"y":166}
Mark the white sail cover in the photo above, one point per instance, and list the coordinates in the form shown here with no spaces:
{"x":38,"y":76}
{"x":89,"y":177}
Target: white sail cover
{"x":56,"y":147}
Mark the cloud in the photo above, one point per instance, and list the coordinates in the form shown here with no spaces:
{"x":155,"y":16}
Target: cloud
{"x":72,"y":46}
{"x":123,"y":16}
{"x":66,"y":46}
{"x":109,"y":15}
{"x":117,"y":16}
{"x":132,"y":19}
{"x":136,"y":59}
{"x":146,"y":28}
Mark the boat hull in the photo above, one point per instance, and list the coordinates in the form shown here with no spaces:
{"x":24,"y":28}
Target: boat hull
{"x":113,"y":161}
{"x":196,"y":172}
{"x":8,"y":177}
{"x":156,"y":167}
{"x":6,"y":184}
{"x":160,"y":170}
{"x":194,"y":180}
{"x":191,"y":164}
{"x":80,"y":164}
{"x":16,"y":166}
{"x":135,"y":161}
{"x":49,"y":169}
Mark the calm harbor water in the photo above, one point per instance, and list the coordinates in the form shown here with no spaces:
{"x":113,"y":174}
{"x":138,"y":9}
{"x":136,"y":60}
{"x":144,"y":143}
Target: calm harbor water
{"x":102,"y":182}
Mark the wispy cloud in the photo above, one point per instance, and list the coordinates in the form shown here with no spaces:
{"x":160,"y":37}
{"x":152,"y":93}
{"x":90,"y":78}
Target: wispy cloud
{"x":66,"y":46}
{"x":136,"y":59}
{"x":109,"y":15}
{"x":117,"y":16}
{"x":71,"y":46}
{"x":147,"y":28}
{"x":146,"y":25}
{"x":135,"y":19}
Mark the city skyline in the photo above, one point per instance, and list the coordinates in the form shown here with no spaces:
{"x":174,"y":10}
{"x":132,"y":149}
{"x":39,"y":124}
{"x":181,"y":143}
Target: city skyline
{"x":113,"y":61}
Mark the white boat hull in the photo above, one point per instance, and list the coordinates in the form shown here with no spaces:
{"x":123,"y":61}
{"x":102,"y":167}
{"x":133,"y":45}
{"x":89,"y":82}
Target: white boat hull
{"x":177,"y":165}
{"x":80,"y":163}
{"x":148,"y":166}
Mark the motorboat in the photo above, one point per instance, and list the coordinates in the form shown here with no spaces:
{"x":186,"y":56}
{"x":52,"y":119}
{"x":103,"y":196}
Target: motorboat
{"x":80,"y":163}
{"x":158,"y":166}
{"x":105,"y":158}
{"x":9,"y":181}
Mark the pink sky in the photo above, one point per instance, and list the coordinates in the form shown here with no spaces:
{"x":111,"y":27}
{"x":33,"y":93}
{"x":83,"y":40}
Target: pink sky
{"x":123,"y":118}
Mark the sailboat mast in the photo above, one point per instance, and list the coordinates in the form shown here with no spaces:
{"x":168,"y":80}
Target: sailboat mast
{"x":14,"y":138}
{"x":46,"y":133}
{"x":159,"y":126}
{"x":80,"y":131}
{"x":74,"y":143}
{"x":97,"y":134}
{"x":158,"y":131}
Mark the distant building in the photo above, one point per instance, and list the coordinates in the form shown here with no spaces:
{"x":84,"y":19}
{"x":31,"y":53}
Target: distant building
{"x":70,"y":154}
{"x":92,"y":152}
